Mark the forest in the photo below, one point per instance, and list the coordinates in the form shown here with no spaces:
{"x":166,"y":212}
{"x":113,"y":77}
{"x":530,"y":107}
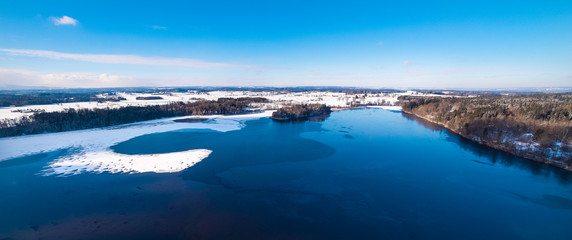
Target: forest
{"x":537,"y":126}
{"x":149,"y":98}
{"x":301,"y":112}
{"x":7,"y":100}
{"x":76,"y":119}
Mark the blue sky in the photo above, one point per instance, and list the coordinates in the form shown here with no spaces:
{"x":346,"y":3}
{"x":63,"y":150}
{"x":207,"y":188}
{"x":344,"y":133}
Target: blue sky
{"x":396,"y":44}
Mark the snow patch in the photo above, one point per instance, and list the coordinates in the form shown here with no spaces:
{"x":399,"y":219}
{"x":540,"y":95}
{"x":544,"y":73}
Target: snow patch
{"x":108,"y":161}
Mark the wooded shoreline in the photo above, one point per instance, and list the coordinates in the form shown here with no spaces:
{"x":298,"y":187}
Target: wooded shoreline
{"x":536,"y":127}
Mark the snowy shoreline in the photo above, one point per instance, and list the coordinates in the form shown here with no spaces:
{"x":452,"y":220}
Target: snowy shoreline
{"x":93,"y":145}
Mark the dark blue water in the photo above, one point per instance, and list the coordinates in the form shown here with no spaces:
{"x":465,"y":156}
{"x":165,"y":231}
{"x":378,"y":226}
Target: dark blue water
{"x":360,"y":174}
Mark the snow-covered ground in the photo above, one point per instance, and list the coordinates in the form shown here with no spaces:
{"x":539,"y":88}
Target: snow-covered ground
{"x":92,"y":151}
{"x":278,"y":99}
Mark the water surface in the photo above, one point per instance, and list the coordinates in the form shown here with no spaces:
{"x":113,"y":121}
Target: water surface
{"x":360,"y":174}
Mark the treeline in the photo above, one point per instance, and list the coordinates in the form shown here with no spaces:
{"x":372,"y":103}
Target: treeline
{"x":533,"y":126}
{"x":76,"y":119}
{"x":7,"y":100}
{"x":149,"y":98}
{"x":301,"y":112}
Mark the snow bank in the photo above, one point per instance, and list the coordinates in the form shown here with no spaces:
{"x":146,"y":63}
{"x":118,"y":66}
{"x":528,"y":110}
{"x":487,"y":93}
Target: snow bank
{"x":94,"y":152}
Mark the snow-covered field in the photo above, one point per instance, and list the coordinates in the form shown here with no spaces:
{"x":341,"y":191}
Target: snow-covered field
{"x":278,"y":99}
{"x":92,"y":151}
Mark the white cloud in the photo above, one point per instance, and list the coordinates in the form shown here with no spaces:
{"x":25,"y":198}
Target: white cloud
{"x":65,"y":20}
{"x":74,"y":79}
{"x":119,"y":59}
{"x":20,"y":77}
{"x":157,"y":27}
{"x":406,"y":63}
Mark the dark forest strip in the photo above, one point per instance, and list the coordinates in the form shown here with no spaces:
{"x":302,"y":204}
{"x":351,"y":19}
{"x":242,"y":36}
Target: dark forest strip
{"x":76,"y":119}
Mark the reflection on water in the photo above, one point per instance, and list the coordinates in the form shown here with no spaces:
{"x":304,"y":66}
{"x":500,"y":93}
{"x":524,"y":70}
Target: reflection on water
{"x":548,"y":200}
{"x":495,"y":156}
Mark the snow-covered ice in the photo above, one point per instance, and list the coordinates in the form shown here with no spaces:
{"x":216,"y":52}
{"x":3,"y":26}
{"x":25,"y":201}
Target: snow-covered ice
{"x":93,"y":146}
{"x":108,"y":161}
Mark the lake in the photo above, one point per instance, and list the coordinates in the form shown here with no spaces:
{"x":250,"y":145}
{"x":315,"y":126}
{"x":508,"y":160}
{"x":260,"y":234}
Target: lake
{"x":360,"y":174}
